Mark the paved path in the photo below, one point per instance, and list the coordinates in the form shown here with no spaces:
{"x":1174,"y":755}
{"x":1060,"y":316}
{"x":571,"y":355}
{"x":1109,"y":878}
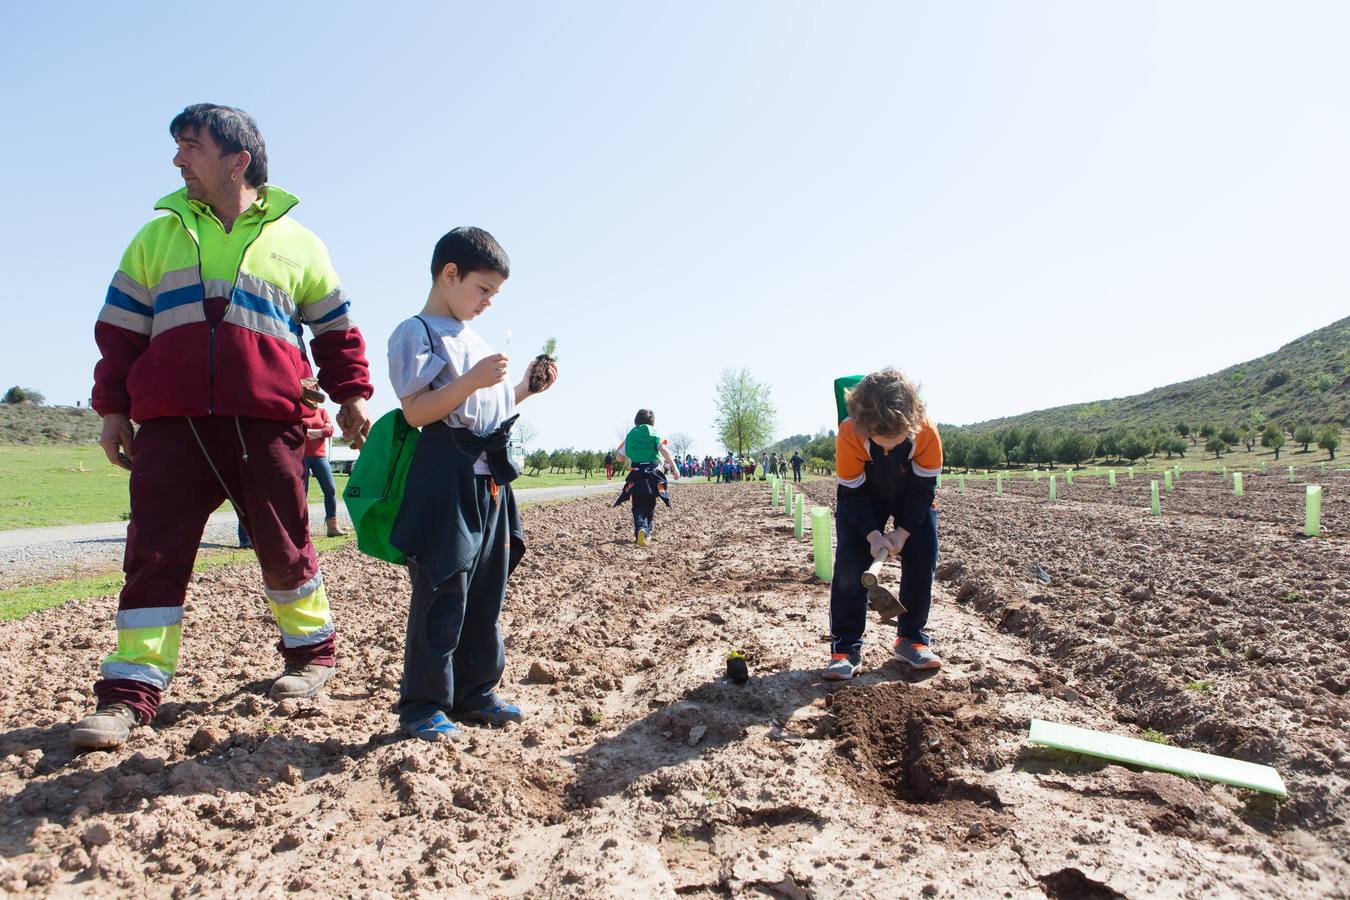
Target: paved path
{"x":37,"y":554}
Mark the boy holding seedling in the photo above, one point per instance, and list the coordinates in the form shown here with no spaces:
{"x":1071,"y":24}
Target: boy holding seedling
{"x":458,"y":524}
{"x":888,"y":455}
{"x":644,"y":449}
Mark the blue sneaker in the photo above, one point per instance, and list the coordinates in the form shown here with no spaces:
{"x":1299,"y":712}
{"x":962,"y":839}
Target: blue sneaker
{"x":917,"y":655}
{"x":495,"y":711}
{"x":437,"y":729}
{"x":842,"y":667}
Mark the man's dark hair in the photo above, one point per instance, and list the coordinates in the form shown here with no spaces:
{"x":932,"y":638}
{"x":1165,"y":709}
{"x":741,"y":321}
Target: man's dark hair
{"x":644,"y":417}
{"x":471,"y":250}
{"x":233,"y":129}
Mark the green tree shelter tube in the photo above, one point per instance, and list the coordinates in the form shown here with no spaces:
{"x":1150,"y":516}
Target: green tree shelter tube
{"x":1111,"y":477}
{"x":1312,"y":510}
{"x":1153,"y":498}
{"x":822,"y":544}
{"x":1291,"y":474}
{"x":1237,"y":484}
{"x":1177,"y":760}
{"x":787,"y":499}
{"x":776,"y":484}
{"x":797,"y":516}
{"x":998,"y":485}
{"x":1167,"y":480}
{"x":1052,"y":489}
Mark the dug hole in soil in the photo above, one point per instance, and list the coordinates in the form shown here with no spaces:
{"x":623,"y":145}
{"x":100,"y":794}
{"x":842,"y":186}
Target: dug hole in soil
{"x":642,"y":770}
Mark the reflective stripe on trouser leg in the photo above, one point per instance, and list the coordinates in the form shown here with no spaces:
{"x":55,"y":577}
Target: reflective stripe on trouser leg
{"x":302,"y":613}
{"x":148,"y":641}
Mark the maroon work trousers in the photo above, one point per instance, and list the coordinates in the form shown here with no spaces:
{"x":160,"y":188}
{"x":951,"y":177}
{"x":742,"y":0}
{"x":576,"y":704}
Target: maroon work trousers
{"x":173,"y":492}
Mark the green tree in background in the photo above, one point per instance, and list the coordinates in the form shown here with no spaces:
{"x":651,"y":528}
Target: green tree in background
{"x":745,"y":415}
{"x":1230,"y":436}
{"x":1329,"y":439}
{"x":986,"y":453}
{"x":587,"y":461}
{"x":17,"y":395}
{"x":1305,"y":435}
{"x":1135,"y":446}
{"x":1074,"y":447}
{"x":956,"y":447}
{"x":1184,"y":430}
{"x":1216,"y":446}
{"x":1273,"y":437}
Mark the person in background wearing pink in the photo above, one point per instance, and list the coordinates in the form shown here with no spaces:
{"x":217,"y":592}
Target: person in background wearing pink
{"x":318,"y":429}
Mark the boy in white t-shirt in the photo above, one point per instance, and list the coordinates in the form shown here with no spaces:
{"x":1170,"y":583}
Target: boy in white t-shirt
{"x":458,"y":524}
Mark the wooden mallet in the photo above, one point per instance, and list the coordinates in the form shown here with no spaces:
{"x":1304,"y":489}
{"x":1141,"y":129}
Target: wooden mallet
{"x":885,"y":602}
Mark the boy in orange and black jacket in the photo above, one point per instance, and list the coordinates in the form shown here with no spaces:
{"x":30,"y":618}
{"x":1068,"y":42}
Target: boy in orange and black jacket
{"x":888,"y":456}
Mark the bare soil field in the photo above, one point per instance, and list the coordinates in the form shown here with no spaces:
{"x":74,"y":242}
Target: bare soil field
{"x":642,"y":771}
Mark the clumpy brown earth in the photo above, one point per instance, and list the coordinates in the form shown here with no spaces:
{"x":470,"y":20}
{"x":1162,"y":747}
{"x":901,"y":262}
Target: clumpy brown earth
{"x":642,"y":771}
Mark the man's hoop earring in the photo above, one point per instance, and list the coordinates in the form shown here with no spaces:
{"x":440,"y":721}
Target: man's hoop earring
{"x":234,"y":176}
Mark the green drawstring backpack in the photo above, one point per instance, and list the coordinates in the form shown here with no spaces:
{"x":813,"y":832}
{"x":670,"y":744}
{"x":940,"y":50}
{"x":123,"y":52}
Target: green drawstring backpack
{"x":841,"y":388}
{"x":374,"y":492}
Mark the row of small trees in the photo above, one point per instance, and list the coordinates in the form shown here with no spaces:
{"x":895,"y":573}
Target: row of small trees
{"x":1222,"y":439}
{"x":1034,"y":446}
{"x":565,"y":460}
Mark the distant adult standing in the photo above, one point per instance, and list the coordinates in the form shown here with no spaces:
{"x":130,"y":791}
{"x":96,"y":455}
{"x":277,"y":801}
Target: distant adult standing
{"x":318,"y":429}
{"x":797,"y":466}
{"x":609,"y":466}
{"x":201,"y":344}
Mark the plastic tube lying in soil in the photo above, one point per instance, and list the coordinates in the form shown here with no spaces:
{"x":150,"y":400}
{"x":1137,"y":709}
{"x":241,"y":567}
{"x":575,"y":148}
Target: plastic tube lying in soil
{"x":797,"y":515}
{"x":1153,"y":498}
{"x":1237,"y":484}
{"x":821,"y":543}
{"x":1177,"y":760}
{"x":1312,"y":510}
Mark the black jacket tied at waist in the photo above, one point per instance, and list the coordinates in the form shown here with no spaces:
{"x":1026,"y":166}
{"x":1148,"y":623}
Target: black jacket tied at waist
{"x":644,"y":479}
{"x":499,"y":462}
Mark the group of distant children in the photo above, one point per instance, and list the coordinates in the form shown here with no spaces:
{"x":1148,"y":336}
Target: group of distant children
{"x":460,"y":528}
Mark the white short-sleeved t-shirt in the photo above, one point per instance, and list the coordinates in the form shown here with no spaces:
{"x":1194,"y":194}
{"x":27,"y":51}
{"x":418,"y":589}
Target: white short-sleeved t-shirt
{"x":414,"y":365}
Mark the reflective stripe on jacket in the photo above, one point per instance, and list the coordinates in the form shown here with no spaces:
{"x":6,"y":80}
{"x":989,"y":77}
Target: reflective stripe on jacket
{"x":175,"y":343}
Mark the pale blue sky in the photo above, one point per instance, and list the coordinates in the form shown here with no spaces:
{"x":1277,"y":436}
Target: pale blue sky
{"x":1021,"y":204}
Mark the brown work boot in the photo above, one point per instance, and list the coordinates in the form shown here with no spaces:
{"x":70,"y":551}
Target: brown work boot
{"x":300,"y":682}
{"x":333,"y":529}
{"x":108,"y":727}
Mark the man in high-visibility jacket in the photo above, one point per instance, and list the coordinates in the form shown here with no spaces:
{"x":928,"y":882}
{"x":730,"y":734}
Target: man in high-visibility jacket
{"x":201,"y":343}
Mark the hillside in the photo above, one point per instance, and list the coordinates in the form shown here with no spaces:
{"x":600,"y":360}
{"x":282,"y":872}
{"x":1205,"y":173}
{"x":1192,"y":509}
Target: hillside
{"x":1305,"y":381}
{"x":24,"y":423}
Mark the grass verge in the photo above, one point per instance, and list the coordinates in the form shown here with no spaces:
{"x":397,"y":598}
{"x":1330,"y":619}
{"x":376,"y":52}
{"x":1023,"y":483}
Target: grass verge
{"x":16,"y":603}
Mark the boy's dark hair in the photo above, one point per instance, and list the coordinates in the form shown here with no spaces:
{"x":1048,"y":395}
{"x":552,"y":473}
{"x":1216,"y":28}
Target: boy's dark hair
{"x":233,"y":129}
{"x":885,"y":404}
{"x":471,"y":250}
{"x":644,"y":417}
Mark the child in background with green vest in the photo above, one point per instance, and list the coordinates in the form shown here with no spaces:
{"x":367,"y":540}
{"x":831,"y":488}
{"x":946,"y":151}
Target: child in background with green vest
{"x":644,"y":449}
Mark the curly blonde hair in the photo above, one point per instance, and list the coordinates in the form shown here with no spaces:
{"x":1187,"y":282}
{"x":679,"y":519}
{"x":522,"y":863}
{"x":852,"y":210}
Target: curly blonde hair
{"x":885,"y":404}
